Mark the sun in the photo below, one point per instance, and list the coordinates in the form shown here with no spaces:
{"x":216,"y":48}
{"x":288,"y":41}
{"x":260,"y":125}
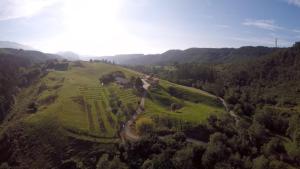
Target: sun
{"x":95,"y":27}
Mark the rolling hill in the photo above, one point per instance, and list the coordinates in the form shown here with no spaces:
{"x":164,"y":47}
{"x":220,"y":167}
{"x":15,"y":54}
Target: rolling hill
{"x":83,"y":107}
{"x":30,"y":55}
{"x":68,"y":114}
{"x":199,"y":55}
{"x":73,"y":103}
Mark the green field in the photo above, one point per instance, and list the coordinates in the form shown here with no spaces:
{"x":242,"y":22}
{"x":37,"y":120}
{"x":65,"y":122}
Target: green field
{"x":191,"y":111}
{"x":77,"y":100}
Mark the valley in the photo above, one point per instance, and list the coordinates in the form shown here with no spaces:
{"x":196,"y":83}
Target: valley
{"x":86,"y":114}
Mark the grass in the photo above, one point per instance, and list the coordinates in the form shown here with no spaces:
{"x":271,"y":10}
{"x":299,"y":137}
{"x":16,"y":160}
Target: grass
{"x":195,"y":112}
{"x":80,"y":104}
{"x":82,"y":117}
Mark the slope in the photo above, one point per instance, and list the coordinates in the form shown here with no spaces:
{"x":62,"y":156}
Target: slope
{"x":89,"y":110}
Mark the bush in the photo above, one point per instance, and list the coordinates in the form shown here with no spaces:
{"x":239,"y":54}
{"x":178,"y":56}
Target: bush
{"x":144,"y":125}
{"x":175,"y":106}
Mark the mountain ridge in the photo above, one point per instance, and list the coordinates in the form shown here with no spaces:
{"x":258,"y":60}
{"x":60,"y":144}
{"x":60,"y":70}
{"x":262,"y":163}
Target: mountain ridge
{"x":14,"y":45}
{"x":201,"y":55}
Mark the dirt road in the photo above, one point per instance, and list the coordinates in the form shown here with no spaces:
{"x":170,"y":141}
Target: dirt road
{"x":127,"y":132}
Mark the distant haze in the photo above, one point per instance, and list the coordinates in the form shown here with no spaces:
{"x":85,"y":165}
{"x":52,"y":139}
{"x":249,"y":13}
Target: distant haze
{"x":110,"y":27}
{"x":14,"y":45}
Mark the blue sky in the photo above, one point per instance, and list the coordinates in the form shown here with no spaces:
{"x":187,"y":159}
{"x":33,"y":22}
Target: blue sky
{"x":107,"y":27}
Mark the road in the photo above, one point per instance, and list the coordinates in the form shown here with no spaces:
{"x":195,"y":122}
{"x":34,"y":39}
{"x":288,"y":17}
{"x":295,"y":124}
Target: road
{"x":127,"y":132}
{"x":232,"y":113}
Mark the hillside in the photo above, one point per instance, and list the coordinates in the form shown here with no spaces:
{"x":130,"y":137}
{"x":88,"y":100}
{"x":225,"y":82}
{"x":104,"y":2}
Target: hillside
{"x":263,"y":96}
{"x":269,"y":80}
{"x":74,"y":104}
{"x":77,"y":94}
{"x":18,"y":69}
{"x":31,"y":55}
{"x":96,"y":114}
{"x":199,"y":55}
{"x":276,"y":77}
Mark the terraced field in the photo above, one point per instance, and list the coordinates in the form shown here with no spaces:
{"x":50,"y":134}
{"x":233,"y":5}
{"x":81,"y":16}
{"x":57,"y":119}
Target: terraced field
{"x":85,"y":108}
{"x":205,"y":104}
{"x":81,"y":103}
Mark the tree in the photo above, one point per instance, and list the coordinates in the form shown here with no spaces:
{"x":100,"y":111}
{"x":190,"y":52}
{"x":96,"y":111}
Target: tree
{"x":183,"y":158}
{"x":273,"y":147}
{"x":216,"y":150}
{"x":104,"y":162}
{"x":138,"y":83}
{"x":260,"y":162}
{"x":175,"y":106}
{"x":144,"y":125}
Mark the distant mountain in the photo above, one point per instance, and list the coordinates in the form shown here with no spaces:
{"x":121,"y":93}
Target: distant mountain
{"x":200,"y":55}
{"x":14,"y":45}
{"x":30,"y":55}
{"x":69,"y":55}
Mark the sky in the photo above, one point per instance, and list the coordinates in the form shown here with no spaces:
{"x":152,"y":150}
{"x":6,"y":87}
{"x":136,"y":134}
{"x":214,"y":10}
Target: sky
{"x":109,"y":27}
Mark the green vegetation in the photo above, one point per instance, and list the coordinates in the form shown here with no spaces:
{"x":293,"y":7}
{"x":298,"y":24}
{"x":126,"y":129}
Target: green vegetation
{"x":70,"y":114}
{"x":80,"y":103}
{"x":263,"y":93}
{"x":195,"y":105}
{"x":90,"y":109}
{"x":144,"y":125}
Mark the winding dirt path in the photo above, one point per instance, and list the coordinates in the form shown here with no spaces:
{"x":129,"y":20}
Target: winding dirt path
{"x":128,"y":133}
{"x":231,"y":112}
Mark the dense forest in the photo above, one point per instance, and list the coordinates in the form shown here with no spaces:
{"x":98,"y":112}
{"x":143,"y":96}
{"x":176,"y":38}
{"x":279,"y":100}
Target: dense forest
{"x":263,"y":92}
{"x":270,"y":80}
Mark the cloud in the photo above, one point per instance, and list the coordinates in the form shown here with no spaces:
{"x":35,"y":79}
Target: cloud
{"x":12,"y":9}
{"x":223,"y":26}
{"x":296,"y":30}
{"x":262,"y":24}
{"x":294,"y":2}
{"x":262,"y":41}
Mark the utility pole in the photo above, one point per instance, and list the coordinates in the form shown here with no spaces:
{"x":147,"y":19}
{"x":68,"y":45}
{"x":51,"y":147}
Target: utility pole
{"x":276,"y":43}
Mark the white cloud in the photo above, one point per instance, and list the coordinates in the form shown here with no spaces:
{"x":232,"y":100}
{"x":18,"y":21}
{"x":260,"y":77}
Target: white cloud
{"x":294,"y":2}
{"x":11,"y":9}
{"x":262,"y":24}
{"x":296,"y":30}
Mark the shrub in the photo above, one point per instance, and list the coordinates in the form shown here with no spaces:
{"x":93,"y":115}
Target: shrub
{"x":144,"y":125}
